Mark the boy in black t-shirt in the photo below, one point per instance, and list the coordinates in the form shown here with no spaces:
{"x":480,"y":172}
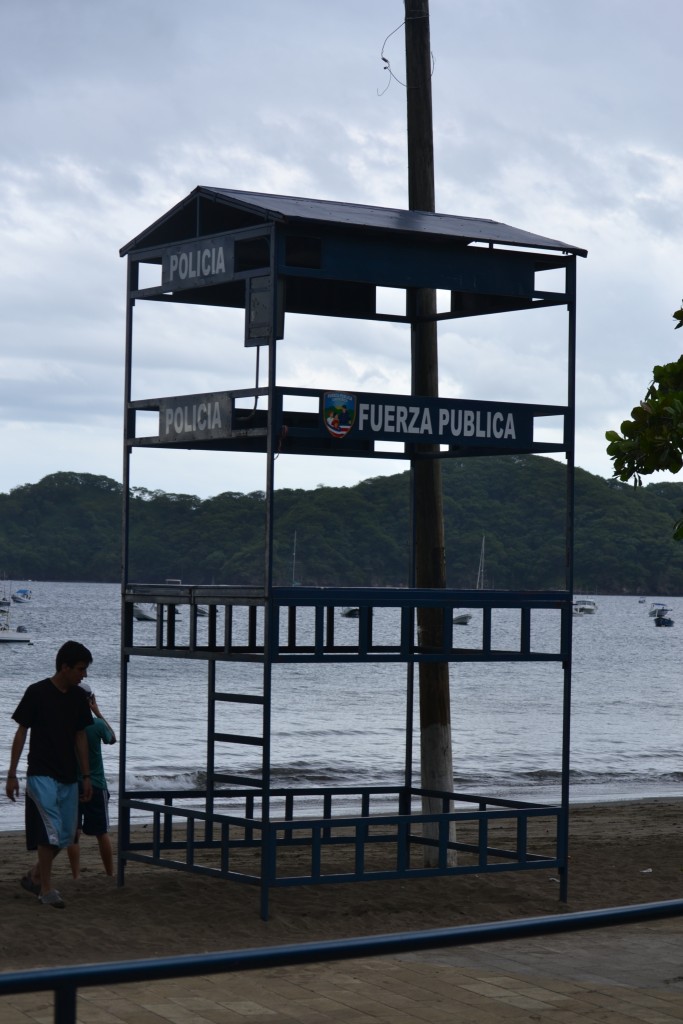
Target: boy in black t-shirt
{"x":56,"y":714}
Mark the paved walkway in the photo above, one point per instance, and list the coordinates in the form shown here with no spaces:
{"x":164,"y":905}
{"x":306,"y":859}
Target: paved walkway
{"x":629,"y":973}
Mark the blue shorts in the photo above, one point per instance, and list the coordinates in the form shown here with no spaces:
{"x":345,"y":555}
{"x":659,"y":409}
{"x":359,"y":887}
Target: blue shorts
{"x":93,"y":816}
{"x":51,"y":812}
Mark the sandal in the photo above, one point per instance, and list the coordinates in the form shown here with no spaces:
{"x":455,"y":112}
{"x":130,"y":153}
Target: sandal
{"x":30,"y":886}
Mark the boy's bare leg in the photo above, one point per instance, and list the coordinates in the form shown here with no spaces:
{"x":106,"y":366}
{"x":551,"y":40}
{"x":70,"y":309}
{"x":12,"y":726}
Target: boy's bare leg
{"x":106,"y":853}
{"x":74,"y":854}
{"x":42,"y":872}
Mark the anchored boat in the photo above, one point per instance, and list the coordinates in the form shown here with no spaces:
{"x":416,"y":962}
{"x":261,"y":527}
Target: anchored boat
{"x":20,"y":635}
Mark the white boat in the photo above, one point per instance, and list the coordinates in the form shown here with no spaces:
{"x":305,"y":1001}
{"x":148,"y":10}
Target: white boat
{"x":22,"y":596}
{"x":584,"y":606}
{"x":658,"y":608}
{"x":145,"y":612}
{"x":12,"y":636}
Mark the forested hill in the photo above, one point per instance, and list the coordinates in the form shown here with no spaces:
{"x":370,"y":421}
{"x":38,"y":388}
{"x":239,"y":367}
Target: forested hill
{"x":67,"y":527}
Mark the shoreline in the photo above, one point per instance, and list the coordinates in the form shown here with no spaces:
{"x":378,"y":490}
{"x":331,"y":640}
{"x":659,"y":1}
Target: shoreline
{"x":622,"y":852}
{"x":576,"y":808}
{"x":590,"y":798}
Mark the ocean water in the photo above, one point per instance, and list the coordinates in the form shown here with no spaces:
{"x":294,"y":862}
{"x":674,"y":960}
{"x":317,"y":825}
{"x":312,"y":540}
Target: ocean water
{"x":344,"y":724}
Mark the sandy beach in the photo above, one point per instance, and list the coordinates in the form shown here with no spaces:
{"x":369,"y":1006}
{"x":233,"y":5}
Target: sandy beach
{"x":621,"y":854}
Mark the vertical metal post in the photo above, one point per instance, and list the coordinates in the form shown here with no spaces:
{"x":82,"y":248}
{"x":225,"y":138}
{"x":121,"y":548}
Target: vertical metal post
{"x":268,"y":837}
{"x":563,"y":840}
{"x":65,"y":1004}
{"x":132,"y":279}
{"x":210,"y":748}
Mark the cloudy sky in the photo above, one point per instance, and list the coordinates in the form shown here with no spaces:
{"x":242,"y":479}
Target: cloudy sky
{"x":561,"y":119}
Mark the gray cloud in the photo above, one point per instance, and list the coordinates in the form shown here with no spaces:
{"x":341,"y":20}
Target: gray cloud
{"x":560,"y":119}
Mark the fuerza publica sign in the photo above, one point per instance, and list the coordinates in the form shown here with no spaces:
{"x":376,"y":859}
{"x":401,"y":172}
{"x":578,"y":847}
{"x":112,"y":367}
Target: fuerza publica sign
{"x":426,"y":420}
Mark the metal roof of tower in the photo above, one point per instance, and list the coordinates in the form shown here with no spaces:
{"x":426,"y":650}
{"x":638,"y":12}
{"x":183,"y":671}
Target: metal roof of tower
{"x":242,"y":209}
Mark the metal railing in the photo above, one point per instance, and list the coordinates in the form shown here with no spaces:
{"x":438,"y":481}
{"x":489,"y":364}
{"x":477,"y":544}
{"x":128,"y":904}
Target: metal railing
{"x":66,"y":981}
{"x":305,"y":624}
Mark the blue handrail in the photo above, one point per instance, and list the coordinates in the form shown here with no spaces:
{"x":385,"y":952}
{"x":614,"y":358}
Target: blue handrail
{"x":65,"y":981}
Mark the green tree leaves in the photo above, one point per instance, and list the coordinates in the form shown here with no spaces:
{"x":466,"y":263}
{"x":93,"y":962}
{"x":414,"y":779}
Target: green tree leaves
{"x":652,"y":440}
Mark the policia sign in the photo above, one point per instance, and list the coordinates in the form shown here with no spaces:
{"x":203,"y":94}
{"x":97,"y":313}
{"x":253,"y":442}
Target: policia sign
{"x":195,"y":417}
{"x":197,"y":264}
{"x":427,"y":420}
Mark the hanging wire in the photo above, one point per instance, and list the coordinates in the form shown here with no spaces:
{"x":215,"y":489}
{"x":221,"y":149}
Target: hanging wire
{"x":387,"y":62}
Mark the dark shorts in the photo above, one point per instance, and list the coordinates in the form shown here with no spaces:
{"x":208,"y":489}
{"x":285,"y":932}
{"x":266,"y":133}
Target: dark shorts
{"x":93,"y":816}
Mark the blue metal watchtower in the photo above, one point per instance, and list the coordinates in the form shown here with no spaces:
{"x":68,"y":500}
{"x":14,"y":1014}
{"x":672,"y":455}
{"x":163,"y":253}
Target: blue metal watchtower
{"x":271,"y":255}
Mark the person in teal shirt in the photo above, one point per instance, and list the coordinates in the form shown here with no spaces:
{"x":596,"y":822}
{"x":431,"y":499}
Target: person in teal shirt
{"x":93,"y":816}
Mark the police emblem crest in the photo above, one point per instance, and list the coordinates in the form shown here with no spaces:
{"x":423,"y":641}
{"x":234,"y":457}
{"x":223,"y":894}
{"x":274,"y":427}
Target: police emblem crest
{"x":339,"y":412}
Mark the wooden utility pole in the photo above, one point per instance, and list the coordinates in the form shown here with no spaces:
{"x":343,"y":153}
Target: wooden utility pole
{"x":436,"y":752}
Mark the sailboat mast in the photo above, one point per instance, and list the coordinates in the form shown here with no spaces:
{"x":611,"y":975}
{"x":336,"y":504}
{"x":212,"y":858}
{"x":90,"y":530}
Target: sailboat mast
{"x":482,"y":562}
{"x":294,"y":561}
